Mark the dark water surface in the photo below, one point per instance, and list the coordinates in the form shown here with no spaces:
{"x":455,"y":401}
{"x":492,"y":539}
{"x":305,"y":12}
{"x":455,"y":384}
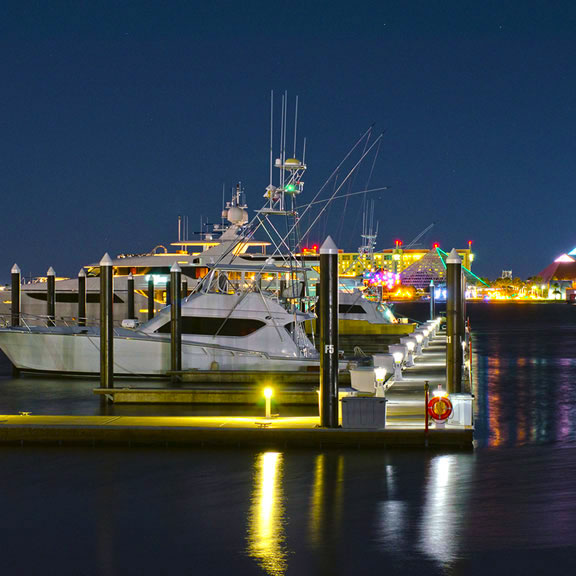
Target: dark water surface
{"x":507,"y":508}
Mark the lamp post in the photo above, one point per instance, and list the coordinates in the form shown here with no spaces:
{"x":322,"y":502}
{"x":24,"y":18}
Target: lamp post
{"x":419,"y":339}
{"x":379,"y":379}
{"x":410,"y":344}
{"x":268,"y":397}
{"x":398,"y":357}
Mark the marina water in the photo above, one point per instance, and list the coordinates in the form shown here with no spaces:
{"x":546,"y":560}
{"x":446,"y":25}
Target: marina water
{"x":509,"y":507}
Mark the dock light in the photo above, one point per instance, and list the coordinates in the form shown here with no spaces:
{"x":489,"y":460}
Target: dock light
{"x":398,"y":357}
{"x":426,"y":334}
{"x":379,"y":378}
{"x":410,"y":355}
{"x":268,"y":392}
{"x":419,"y":338}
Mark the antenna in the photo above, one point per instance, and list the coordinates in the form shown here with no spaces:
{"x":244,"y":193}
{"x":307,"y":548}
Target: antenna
{"x":271,"y":132}
{"x":295,"y":126}
{"x":179,"y":228}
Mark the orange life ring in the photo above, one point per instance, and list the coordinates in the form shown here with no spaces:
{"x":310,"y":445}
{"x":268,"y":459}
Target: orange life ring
{"x":440,"y":407}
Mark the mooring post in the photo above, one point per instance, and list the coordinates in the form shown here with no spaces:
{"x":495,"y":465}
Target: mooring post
{"x":51,"y":296}
{"x":82,"y":297}
{"x":106,"y":323}
{"x":130,"y":296}
{"x":454,"y":323}
{"x":328,"y":334}
{"x":16,"y":295}
{"x":432,"y":300}
{"x":184,"y":288}
{"x":176,"y":321}
{"x":150,"y":298}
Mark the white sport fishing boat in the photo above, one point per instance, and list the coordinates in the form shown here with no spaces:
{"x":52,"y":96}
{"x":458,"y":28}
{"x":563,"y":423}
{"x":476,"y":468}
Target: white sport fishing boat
{"x":220,"y":331}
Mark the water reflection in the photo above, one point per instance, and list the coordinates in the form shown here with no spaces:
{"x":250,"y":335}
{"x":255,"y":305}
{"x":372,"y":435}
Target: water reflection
{"x":444,"y":513}
{"x":326,"y":500}
{"x":266,"y":541}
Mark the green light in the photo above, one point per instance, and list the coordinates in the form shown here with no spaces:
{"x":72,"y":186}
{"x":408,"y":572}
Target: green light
{"x":291,"y":188}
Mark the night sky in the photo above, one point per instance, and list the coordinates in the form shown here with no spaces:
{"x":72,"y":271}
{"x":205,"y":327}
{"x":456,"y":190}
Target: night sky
{"x":116,"y":117}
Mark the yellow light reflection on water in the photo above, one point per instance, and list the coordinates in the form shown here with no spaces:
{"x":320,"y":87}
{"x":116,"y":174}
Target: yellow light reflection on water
{"x":266,"y":520}
{"x":326,"y":499}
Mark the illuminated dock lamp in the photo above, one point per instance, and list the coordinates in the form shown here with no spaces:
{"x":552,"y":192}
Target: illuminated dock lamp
{"x":268,"y":392}
{"x":426,"y":334}
{"x":419,"y":337}
{"x":379,"y":378}
{"x":398,"y":352}
{"x":410,"y":343}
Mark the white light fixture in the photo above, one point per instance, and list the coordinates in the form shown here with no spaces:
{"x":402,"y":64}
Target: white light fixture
{"x":379,"y":378}
{"x":398,"y":357}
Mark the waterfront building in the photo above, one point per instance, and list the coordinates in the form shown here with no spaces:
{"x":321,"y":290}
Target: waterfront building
{"x":393,"y":260}
{"x":560,"y":277}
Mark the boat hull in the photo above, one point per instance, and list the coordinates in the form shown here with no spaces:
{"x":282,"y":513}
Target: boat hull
{"x":80,"y":354}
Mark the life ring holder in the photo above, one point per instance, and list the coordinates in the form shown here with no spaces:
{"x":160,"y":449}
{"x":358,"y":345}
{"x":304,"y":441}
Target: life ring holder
{"x":440,"y":408}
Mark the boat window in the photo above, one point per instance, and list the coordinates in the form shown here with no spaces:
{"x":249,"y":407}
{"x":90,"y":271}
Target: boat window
{"x":206,"y":326}
{"x":351,"y":309}
{"x":70,"y":297}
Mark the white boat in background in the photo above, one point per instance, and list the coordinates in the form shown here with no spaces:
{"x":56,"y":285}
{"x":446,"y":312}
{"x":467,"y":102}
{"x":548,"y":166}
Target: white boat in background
{"x":220,"y":331}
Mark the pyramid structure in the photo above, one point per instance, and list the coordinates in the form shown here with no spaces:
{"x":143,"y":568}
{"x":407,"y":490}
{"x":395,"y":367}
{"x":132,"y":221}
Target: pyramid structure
{"x":430,"y":267}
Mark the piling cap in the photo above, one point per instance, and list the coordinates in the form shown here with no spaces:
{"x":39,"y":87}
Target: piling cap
{"x":82,"y":273}
{"x":328,"y":247}
{"x":453,"y":257}
{"x":130,"y":277}
{"x":51,"y":272}
{"x":106,"y":260}
{"x":175,"y":268}
{"x":15,"y":269}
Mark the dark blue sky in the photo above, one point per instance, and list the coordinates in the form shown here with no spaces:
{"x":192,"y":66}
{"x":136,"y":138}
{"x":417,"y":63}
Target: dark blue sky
{"x":115,"y":119}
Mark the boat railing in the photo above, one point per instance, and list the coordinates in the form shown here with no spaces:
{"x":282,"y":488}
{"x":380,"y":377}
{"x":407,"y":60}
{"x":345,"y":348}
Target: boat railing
{"x":30,"y":321}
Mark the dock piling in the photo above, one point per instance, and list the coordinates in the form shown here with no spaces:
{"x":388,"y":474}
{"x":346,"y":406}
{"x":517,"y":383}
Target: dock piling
{"x":130,"y":296}
{"x":51,"y":296}
{"x":16,"y":295}
{"x":106,"y":323}
{"x":82,"y":297}
{"x":150,"y":298}
{"x":454,"y":323}
{"x":176,"y":320}
{"x":328,"y":334}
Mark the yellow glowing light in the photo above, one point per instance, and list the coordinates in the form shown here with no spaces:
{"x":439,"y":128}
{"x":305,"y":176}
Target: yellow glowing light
{"x":268,"y":392}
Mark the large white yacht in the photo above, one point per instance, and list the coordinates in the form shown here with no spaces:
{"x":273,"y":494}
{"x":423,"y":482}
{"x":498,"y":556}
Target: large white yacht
{"x":220,"y":331}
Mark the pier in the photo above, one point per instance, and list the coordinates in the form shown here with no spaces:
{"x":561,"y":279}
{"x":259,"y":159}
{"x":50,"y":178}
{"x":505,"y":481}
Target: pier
{"x":404,"y":426}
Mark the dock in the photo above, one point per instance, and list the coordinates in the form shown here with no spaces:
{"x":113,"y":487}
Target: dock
{"x":404,"y":420}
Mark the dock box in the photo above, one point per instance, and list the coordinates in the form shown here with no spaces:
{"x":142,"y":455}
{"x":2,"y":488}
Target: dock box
{"x":364,"y":412}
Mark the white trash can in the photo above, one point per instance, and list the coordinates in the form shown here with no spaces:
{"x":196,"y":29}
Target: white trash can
{"x":462,"y":409}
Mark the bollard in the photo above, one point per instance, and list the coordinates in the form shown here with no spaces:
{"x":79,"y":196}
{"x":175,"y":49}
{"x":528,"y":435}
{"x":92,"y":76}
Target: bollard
{"x":454,"y":323}
{"x":82,"y":297}
{"x":130,"y":296}
{"x":150,"y":298}
{"x":168,"y":291}
{"x":51,"y":296}
{"x":432,"y":301}
{"x":106,"y":323}
{"x":16,"y":295}
{"x":184,"y":288}
{"x":176,"y":321}
{"x":328,"y":334}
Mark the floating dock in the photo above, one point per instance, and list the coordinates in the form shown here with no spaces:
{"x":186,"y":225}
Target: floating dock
{"x":405,"y":419}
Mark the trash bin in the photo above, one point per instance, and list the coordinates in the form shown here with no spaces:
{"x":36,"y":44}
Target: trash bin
{"x":462,"y":411}
{"x":368,"y":412}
